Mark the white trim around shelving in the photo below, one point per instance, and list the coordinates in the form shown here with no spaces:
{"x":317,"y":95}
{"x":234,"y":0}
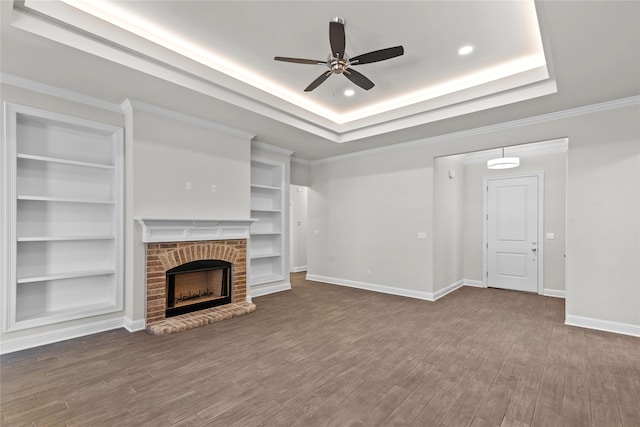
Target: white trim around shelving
{"x":603,"y":325}
{"x":64,"y":161}
{"x":38,"y":339}
{"x":155,"y":230}
{"x":133,"y":325}
{"x":269,"y":289}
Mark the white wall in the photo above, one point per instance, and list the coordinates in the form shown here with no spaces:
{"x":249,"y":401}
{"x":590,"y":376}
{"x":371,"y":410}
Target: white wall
{"x":368,"y":208}
{"x":168,"y":153}
{"x":448,"y":216}
{"x":603,"y":231}
{"x":300,"y":173}
{"x":299,"y":228}
{"x":554,"y":167}
{"x":366,"y":211}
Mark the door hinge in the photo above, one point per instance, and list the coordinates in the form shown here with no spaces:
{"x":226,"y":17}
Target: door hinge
{"x":487,"y":246}
{"x":487,"y":274}
{"x":487,"y":217}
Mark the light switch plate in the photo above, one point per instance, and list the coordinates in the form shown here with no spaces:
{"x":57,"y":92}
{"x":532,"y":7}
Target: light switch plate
{"x":550,"y":236}
{"x":422,"y":236}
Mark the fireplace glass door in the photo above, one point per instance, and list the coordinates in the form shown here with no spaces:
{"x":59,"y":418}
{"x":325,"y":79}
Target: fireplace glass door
{"x":198,"y":285}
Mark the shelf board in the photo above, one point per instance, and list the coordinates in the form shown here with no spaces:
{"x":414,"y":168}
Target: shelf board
{"x":69,"y":275}
{"x":64,"y":200}
{"x":266,"y":210}
{"x":62,"y":238}
{"x":64,"y":161}
{"x":71,"y":313}
{"x":266,"y":187}
{"x":270,"y":255}
{"x":265,"y":233}
{"x":267,"y":278}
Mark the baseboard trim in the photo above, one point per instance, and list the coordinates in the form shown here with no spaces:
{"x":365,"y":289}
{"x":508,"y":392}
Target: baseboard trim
{"x":133,"y":325}
{"x":270,"y":289}
{"x":556,"y":293}
{"x":474,"y":283}
{"x":43,"y":338}
{"x":298,"y":269}
{"x":427,"y":296}
{"x":603,"y":325}
{"x":452,"y":287}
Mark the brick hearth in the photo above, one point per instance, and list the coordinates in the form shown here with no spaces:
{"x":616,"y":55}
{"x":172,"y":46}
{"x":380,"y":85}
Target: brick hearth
{"x":165,"y":256}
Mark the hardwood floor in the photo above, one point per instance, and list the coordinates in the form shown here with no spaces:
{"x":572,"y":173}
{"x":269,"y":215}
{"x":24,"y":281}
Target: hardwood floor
{"x":324,"y":355}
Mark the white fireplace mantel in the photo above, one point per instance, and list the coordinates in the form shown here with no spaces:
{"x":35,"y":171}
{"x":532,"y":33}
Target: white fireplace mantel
{"x":155,"y":230}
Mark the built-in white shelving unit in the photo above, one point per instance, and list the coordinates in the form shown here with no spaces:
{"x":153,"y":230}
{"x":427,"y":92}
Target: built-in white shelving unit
{"x":63,"y":218}
{"x":267,"y":206}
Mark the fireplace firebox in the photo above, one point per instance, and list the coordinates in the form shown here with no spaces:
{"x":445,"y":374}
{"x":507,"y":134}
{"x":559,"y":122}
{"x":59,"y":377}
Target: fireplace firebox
{"x":197,"y":285}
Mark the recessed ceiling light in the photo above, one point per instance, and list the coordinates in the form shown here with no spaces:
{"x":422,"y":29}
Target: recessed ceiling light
{"x":465,"y":50}
{"x":349,"y":92}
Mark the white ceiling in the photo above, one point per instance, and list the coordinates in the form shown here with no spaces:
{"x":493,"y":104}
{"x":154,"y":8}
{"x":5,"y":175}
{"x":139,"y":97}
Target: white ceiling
{"x":592,"y":53}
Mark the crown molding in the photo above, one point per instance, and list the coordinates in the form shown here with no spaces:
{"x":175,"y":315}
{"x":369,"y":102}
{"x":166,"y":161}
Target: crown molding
{"x":559,"y":145}
{"x":135,"y":104}
{"x":272,"y":148}
{"x":557,"y":115}
{"x":68,"y":95}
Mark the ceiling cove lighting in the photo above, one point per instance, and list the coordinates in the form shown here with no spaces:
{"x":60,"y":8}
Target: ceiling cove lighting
{"x":114,"y":13}
{"x":503,"y":162}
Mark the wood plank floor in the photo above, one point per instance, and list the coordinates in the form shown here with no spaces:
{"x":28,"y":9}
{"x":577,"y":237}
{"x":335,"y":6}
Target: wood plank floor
{"x":324,"y":355}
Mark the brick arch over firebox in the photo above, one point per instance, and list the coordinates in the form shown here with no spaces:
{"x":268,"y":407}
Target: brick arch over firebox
{"x":165,"y":256}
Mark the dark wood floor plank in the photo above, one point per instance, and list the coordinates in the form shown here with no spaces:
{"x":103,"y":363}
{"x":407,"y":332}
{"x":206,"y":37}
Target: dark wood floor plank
{"x":324,"y":355}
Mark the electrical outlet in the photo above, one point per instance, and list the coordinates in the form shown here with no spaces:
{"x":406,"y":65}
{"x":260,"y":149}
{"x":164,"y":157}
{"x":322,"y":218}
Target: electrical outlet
{"x":368,"y":272}
{"x":214,"y":188}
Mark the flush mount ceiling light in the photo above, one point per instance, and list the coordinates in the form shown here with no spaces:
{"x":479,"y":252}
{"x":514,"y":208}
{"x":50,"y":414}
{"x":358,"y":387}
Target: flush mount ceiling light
{"x":503,"y":162}
{"x":349,"y":92}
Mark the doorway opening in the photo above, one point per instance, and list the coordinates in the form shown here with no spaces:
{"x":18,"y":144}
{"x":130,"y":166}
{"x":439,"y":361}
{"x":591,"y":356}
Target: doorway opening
{"x":460,"y":235}
{"x":298,"y":228}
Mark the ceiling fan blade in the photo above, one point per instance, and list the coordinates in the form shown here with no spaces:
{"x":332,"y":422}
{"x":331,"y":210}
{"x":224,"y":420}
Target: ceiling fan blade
{"x":300,"y":60}
{"x":358,"y":79}
{"x":377,"y":55}
{"x":317,"y":82}
{"x":337,"y":39}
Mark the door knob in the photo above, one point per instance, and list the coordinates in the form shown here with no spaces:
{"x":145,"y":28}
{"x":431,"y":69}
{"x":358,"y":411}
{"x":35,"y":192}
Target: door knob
{"x":533,"y":249}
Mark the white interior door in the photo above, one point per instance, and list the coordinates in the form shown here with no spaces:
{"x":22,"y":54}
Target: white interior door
{"x":512,"y":233}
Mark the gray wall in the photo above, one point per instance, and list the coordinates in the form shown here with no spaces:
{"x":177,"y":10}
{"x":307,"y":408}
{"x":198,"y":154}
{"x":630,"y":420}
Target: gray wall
{"x":554,"y":166}
{"x":448,"y":216}
{"x":368,"y":209}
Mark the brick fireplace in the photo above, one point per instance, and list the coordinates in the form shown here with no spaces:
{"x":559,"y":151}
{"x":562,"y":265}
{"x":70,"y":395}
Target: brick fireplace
{"x":163,"y":256}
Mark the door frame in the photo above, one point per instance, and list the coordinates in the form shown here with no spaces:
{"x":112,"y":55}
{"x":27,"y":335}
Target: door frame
{"x":485,"y":238}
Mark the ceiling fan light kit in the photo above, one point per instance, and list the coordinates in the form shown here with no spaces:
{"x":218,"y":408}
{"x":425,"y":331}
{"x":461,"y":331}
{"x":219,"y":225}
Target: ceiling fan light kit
{"x":340,"y":63}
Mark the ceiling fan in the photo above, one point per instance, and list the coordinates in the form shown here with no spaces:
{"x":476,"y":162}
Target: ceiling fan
{"x":339,"y":63}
